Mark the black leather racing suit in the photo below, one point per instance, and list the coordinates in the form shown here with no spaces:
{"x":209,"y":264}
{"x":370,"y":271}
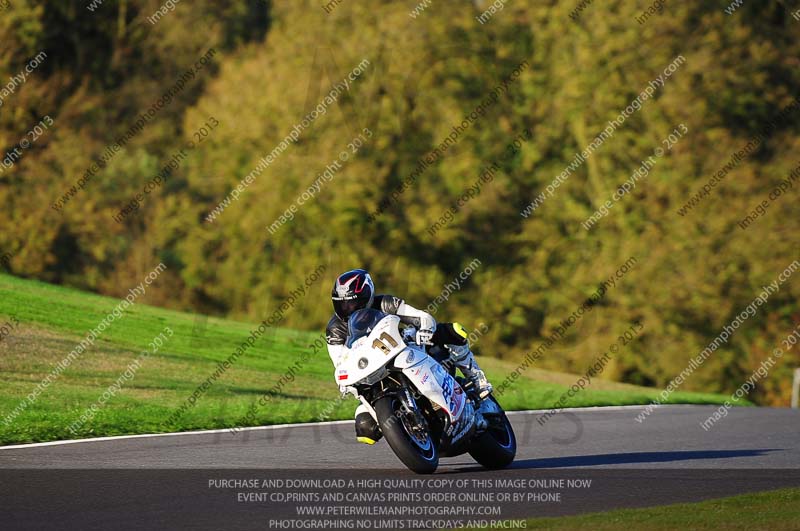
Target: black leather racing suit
{"x":336,"y":332}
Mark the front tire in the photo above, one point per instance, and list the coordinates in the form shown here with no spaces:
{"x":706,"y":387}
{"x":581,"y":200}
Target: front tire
{"x":497,"y":446}
{"x":419,"y":453}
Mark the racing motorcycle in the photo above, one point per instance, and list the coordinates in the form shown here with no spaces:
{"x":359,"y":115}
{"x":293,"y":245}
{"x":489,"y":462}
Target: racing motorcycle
{"x":422,"y":408}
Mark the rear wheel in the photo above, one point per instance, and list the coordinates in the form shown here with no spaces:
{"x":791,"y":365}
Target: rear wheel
{"x":497,"y":446}
{"x":408,"y":435}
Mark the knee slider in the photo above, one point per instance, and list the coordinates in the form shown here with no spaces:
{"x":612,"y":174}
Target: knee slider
{"x":459,"y":329}
{"x":455,"y":334}
{"x":366,"y":425}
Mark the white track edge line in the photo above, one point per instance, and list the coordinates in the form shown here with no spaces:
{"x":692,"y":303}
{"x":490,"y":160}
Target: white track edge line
{"x":172,"y":434}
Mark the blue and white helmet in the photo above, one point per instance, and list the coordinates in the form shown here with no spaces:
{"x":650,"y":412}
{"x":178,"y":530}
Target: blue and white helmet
{"x":352,"y":291}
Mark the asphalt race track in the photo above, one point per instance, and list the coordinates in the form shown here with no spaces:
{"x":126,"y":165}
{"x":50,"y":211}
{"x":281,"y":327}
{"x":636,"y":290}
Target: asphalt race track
{"x":168,"y":481}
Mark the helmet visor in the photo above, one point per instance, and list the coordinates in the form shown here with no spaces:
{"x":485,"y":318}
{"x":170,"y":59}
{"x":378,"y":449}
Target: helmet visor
{"x":344,"y":308}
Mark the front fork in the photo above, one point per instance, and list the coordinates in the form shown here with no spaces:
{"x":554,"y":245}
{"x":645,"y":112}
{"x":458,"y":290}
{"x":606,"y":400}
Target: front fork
{"x":408,"y":401}
{"x":369,"y":407}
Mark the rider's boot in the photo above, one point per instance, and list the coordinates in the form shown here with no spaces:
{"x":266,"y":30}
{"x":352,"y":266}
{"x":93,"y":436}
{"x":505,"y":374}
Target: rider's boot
{"x":367,"y":430}
{"x":464,"y":359}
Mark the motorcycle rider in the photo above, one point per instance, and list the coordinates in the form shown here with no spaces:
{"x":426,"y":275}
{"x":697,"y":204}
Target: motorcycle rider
{"x":354,"y":290}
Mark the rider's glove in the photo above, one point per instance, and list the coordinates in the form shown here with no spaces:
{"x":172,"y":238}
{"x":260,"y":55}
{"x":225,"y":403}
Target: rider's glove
{"x":424,"y":337}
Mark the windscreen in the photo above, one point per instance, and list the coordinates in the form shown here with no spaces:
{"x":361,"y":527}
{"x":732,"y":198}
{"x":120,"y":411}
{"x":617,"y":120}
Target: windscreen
{"x":361,"y":324}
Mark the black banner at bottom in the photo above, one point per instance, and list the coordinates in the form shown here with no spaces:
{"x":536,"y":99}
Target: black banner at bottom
{"x":349,"y":499}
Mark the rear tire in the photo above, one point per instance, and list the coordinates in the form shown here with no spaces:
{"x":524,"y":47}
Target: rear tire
{"x":497,"y":446}
{"x":419,"y":456}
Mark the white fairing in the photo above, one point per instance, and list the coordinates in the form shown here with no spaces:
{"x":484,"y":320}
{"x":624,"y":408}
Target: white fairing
{"x":374,"y":351}
{"x":370,"y":354}
{"x":430,"y":378}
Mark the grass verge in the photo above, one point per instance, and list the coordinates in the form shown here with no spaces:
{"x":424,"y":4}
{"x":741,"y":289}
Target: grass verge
{"x":777,"y":510}
{"x":53,"y":320}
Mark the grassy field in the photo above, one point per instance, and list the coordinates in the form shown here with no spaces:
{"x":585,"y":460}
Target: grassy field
{"x":777,"y":510}
{"x":53,"y":320}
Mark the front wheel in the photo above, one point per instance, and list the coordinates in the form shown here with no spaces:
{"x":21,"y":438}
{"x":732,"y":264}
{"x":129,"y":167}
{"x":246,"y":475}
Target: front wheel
{"x":497,"y":446}
{"x":410,"y":441}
